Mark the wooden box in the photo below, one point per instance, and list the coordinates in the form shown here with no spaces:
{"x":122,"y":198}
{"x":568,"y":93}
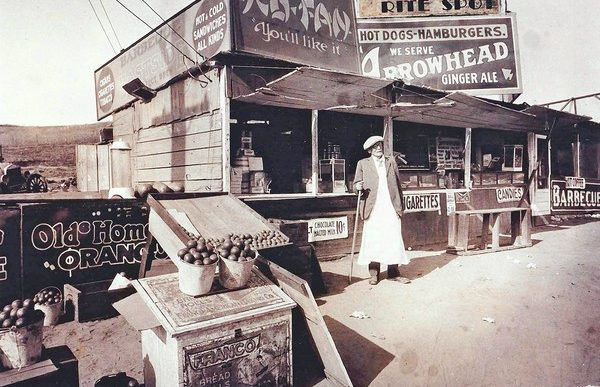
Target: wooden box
{"x":92,"y":300}
{"x":232,"y":338}
{"x":211,"y":214}
{"x":57,"y":367}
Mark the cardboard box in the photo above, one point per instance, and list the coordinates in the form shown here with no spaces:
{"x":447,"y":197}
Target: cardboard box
{"x":255,"y":164}
{"x":92,"y":300}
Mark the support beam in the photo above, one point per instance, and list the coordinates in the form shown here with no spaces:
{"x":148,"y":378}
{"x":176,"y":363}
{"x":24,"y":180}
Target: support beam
{"x":225,"y":107}
{"x":314,"y":130}
{"x":468,"y":137}
{"x":388,"y":135}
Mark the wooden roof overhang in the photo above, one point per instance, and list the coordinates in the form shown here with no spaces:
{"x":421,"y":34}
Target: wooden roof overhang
{"x":319,"y":89}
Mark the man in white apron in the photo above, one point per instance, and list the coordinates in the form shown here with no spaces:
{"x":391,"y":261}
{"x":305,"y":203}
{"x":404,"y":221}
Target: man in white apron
{"x":381,"y":208}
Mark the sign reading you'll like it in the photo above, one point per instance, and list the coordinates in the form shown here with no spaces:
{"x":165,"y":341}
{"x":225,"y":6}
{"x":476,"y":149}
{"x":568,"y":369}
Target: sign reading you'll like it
{"x":411,"y":8}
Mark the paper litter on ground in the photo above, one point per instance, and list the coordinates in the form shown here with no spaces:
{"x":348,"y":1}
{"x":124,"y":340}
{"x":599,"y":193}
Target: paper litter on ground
{"x":359,"y":314}
{"x":531,"y":265}
{"x":489,"y":319}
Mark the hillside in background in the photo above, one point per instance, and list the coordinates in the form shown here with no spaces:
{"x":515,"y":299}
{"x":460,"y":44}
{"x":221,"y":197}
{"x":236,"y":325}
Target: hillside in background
{"x":49,"y":150}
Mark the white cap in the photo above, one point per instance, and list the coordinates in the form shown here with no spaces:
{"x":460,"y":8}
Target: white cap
{"x":372,"y":141}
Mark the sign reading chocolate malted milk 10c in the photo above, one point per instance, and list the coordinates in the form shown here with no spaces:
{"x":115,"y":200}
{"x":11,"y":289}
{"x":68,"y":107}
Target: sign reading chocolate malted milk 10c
{"x":412,"y":8}
{"x":477,"y":55}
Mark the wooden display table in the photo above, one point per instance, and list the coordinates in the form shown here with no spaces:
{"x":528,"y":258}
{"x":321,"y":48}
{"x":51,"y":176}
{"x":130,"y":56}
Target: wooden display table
{"x":225,"y":338}
{"x":458,"y":230}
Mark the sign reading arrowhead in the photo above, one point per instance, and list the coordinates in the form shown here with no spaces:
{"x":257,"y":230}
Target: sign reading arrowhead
{"x":508,"y":74}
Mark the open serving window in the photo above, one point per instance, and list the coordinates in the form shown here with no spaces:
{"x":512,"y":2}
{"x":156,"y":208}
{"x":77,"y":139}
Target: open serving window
{"x":498,"y":158}
{"x":429,"y":156}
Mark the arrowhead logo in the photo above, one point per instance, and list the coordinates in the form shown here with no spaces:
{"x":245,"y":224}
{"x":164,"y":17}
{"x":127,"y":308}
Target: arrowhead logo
{"x":508,"y":74}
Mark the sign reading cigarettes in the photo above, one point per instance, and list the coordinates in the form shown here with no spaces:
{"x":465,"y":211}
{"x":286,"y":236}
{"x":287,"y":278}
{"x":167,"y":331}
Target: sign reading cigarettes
{"x":475,"y":54}
{"x":422,"y":202}
{"x":324,"y":229}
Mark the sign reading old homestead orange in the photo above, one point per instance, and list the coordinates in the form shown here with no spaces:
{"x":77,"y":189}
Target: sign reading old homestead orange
{"x":411,"y":8}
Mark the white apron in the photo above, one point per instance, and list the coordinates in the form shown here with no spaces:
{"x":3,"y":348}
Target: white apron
{"x":382,"y":231}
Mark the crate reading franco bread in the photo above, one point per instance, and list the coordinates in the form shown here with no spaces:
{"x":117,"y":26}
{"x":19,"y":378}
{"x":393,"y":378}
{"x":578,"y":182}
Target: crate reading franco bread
{"x":198,"y":228}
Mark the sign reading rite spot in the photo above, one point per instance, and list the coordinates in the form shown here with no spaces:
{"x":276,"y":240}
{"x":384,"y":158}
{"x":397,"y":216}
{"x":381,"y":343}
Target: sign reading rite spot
{"x":564,"y":198}
{"x":321,"y":33}
{"x":411,"y":8}
{"x":324,"y":229}
{"x":478,"y":55}
{"x":422,"y":202}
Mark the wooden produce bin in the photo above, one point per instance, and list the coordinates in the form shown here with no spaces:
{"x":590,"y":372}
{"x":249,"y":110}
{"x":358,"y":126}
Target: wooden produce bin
{"x":210,"y":214}
{"x":230,"y":338}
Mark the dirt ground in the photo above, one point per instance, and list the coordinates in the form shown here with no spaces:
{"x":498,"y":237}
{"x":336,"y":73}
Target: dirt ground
{"x":526,"y":317}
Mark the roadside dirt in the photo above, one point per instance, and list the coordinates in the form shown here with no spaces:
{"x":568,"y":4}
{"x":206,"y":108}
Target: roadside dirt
{"x":527,"y":317}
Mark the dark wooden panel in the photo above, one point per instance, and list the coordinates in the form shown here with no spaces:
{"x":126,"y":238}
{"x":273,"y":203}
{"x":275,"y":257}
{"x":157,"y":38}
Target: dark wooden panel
{"x":180,"y":158}
{"x":174,"y":144}
{"x":200,"y":172}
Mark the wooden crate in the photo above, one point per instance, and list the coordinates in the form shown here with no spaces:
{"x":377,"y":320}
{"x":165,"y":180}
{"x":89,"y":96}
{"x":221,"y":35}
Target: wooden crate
{"x":57,"y":367}
{"x":239,"y":337}
{"x":212,"y":215}
{"x":92,"y":300}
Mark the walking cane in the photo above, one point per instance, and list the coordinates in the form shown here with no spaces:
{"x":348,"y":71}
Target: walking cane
{"x":354,"y":237}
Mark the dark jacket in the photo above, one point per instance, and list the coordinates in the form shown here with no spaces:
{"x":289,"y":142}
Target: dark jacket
{"x":367,"y":173}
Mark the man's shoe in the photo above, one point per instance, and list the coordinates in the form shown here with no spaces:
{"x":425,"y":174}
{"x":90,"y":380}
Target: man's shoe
{"x":402,"y":280}
{"x":393,"y":271}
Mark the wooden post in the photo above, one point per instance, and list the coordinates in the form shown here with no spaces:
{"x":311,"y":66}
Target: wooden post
{"x":515,"y":227}
{"x":468,"y":133}
{"x":577,"y":156}
{"x":526,"y":228}
{"x":495,"y":219}
{"x":452,"y":230}
{"x":388,"y":135}
{"x":485,"y":229}
{"x":462,"y":239}
{"x":225,"y":107}
{"x":314,"y":129}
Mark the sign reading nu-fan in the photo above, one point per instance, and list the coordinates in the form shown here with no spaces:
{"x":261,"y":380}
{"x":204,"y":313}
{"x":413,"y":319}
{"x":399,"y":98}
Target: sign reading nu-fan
{"x":318,"y":32}
{"x":475,"y":54}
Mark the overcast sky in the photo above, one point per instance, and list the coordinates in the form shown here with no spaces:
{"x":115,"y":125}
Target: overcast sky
{"x":50,"y":49}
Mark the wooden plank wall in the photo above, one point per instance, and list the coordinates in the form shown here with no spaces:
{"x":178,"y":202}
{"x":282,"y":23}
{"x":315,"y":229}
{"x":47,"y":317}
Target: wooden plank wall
{"x":176,"y":137}
{"x":93,"y":167}
{"x":418,"y":229}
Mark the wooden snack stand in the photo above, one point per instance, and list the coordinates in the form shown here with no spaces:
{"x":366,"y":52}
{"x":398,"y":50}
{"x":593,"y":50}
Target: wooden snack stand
{"x":230,"y":338}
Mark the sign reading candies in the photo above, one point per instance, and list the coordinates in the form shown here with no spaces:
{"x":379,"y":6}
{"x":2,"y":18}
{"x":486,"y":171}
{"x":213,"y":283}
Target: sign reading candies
{"x":106,"y":89}
{"x":210,"y":26}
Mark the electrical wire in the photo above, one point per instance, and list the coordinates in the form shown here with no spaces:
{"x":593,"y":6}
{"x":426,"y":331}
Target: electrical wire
{"x":155,"y":31}
{"x":172,"y":29}
{"x":111,"y":25}
{"x":102,"y":26}
{"x":203,"y":83}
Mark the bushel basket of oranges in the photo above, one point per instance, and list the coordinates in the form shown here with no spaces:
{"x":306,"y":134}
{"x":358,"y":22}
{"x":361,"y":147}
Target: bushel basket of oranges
{"x":20,"y":334}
